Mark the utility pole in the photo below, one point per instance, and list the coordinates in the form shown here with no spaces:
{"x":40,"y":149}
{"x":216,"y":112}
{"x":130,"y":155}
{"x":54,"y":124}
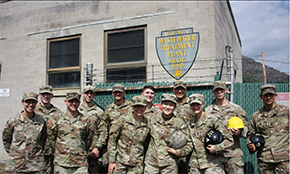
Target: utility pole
{"x":264,"y":70}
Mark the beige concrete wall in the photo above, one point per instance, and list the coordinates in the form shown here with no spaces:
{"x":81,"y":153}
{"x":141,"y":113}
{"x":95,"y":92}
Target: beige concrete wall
{"x":26,"y":26}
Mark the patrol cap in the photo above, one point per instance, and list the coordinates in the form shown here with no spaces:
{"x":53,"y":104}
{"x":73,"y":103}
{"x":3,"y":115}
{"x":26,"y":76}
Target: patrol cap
{"x":29,"y":96}
{"x":72,"y":95}
{"x":89,"y":88}
{"x":139,"y":100}
{"x":45,"y":89}
{"x":179,"y":83}
{"x":219,"y":84}
{"x":169,"y":97}
{"x":118,"y":87}
{"x":265,"y":89}
{"x":196,"y":98}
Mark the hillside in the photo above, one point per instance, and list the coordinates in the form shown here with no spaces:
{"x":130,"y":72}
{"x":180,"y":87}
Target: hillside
{"x":253,"y":72}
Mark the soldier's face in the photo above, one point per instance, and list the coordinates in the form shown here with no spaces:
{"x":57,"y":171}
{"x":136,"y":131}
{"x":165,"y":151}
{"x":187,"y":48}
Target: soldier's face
{"x":29,"y":105}
{"x":72,"y":105}
{"x":139,"y":110}
{"x":268,"y":98}
{"x":45,"y":98}
{"x":220,"y":93}
{"x":88,"y":96}
{"x":149,"y":94}
{"x":167,"y":108}
{"x":179,"y":92}
{"x":118,"y":95}
{"x":197,"y":108}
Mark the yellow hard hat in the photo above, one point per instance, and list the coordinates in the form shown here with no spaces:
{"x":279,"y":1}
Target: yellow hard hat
{"x":235,"y":122}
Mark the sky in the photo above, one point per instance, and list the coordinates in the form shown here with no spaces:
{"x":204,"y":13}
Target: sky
{"x":264,"y":27}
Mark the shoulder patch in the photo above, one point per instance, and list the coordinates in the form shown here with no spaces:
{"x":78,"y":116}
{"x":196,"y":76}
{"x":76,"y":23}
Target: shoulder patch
{"x":49,"y":123}
{"x":114,"y":122}
{"x":6,"y":126}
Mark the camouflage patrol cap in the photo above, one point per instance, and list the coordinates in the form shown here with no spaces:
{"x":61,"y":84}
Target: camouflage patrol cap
{"x":196,"y":98}
{"x":265,"y":89}
{"x":169,"y":97}
{"x":139,"y":100}
{"x":72,"y":95}
{"x":118,"y":87}
{"x":89,"y":88}
{"x":219,"y":84}
{"x":29,"y":96}
{"x":179,"y":83}
{"x":45,"y":89}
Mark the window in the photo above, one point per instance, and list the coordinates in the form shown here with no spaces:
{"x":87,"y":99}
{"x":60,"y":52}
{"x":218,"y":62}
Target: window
{"x":64,"y":69}
{"x":125,"y":55}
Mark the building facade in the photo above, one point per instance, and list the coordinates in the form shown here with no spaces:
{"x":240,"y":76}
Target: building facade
{"x":52,"y":42}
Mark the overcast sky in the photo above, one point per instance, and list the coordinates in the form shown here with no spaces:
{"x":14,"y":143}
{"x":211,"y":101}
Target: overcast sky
{"x":264,"y":27}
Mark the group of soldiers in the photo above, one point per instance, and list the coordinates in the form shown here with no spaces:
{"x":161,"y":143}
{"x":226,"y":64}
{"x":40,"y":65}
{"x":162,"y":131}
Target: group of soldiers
{"x":137,"y":137}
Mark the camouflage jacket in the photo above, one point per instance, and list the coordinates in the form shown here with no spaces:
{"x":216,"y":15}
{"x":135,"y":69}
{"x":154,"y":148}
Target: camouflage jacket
{"x":160,"y":130}
{"x":273,"y":125}
{"x":127,"y":140}
{"x":74,"y":136}
{"x":200,"y":158}
{"x":24,"y":141}
{"x":101,"y":130}
{"x":113,"y":111}
{"x":47,"y":113}
{"x":152,"y":112}
{"x":183,"y":110}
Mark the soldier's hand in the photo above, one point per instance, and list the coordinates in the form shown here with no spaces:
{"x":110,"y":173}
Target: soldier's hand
{"x":235,"y":132}
{"x":112,"y":167}
{"x":251,"y":147}
{"x":95,"y":153}
{"x":171,"y":150}
{"x":211,"y":149}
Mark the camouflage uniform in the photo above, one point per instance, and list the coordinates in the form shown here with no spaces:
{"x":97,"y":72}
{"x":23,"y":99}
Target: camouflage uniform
{"x":183,"y":110}
{"x":152,"y":112}
{"x":126,"y":142}
{"x":201,"y":159}
{"x":100,"y":133}
{"x":273,"y":125}
{"x":157,"y":158}
{"x":112,"y":113}
{"x":234,"y":155}
{"x":47,"y":113}
{"x":24,"y":141}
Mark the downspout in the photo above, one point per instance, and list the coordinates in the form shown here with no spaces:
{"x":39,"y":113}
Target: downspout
{"x":231,"y":69}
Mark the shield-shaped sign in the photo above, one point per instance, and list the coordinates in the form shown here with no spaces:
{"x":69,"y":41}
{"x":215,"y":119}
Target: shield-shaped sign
{"x":177,"y":52}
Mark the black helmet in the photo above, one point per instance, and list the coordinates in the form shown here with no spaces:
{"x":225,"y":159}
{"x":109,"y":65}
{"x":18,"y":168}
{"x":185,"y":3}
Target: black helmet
{"x":258,"y":140}
{"x":213,"y":137}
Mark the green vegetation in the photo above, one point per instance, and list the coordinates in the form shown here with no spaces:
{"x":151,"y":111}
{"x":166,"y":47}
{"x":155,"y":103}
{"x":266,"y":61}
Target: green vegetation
{"x":247,"y":78}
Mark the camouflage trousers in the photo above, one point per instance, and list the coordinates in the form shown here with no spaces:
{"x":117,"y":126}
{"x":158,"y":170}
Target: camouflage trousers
{"x":38,"y":172}
{"x":49,"y":163}
{"x":150,"y":169}
{"x":234,"y":165}
{"x":212,"y":170}
{"x":277,"y":168}
{"x":125,"y":169}
{"x":94,"y":165}
{"x":70,"y":170}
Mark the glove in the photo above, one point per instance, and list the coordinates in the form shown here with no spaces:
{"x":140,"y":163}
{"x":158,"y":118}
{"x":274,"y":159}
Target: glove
{"x":177,"y":140}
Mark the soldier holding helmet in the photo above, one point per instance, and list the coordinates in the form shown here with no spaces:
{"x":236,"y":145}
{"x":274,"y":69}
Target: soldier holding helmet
{"x":272,"y":123}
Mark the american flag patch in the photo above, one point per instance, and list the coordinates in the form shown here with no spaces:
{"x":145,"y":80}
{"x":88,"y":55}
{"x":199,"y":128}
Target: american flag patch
{"x":114,"y":122}
{"x":49,"y":123}
{"x":6,"y":126}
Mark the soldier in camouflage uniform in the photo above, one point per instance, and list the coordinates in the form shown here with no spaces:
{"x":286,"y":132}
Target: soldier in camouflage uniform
{"x":128,"y":136}
{"x":184,"y":111}
{"x":88,"y":108}
{"x":149,"y":93}
{"x":24,"y":137}
{"x":225,"y":109}
{"x":74,"y":134}
{"x":272,"y":122}
{"x":201,"y":161}
{"x":182,"y":107}
{"x":46,"y":109}
{"x":112,"y":113}
{"x":158,"y":159}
